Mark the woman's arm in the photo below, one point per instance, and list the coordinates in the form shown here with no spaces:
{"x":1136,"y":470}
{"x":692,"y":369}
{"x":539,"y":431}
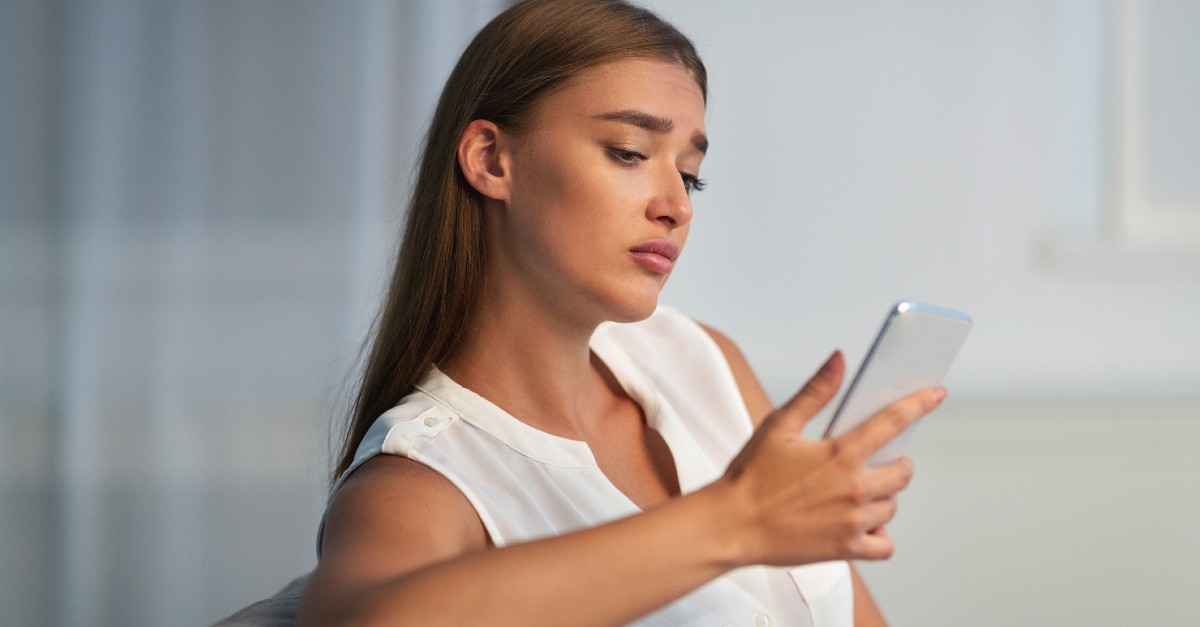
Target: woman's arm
{"x":866,"y":612}
{"x":427,"y":562}
{"x":784,"y":501}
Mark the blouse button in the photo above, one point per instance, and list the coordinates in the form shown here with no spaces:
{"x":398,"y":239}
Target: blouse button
{"x":430,"y":421}
{"x":762,"y":620}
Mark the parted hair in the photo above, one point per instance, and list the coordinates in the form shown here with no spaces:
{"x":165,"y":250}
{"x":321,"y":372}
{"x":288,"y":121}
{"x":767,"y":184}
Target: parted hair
{"x":510,"y":66}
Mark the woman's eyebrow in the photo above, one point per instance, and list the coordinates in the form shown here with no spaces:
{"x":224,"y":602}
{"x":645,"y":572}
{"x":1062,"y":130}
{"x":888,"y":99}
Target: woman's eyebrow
{"x":640,"y":119}
{"x":652,"y":123}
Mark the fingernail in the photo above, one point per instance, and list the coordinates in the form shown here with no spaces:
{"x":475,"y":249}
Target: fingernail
{"x":828,"y":365}
{"x":939,"y":395}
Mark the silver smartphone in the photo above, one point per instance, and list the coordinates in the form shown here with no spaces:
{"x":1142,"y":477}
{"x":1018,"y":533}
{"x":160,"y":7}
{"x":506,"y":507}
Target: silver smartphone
{"x":912,"y":351}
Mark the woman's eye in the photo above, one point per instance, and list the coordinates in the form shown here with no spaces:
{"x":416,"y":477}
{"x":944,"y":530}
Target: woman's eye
{"x":692,"y":183}
{"x":626,"y":157}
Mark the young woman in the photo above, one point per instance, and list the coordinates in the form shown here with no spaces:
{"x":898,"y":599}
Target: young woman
{"x":537,"y":441}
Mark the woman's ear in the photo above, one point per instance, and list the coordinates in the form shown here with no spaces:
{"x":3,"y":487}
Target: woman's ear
{"x":483,"y":160}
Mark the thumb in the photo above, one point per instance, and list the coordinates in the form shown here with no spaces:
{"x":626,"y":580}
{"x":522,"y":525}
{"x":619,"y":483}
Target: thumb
{"x":815,"y":394}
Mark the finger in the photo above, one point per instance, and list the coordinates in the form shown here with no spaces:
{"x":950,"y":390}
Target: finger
{"x":891,"y":420}
{"x":817,"y":392}
{"x":890,"y":478}
{"x":876,"y":545}
{"x":878,"y":513}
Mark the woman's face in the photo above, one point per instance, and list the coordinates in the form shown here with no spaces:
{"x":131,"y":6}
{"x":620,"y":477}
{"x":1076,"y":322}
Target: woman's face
{"x":599,"y":202}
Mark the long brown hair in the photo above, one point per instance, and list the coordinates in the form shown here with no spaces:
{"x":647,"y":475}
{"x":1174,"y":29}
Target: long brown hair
{"x":516,"y":60}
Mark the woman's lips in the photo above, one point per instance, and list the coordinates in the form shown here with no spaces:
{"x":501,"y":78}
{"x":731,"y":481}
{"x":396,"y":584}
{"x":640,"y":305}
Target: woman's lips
{"x":657,"y":255}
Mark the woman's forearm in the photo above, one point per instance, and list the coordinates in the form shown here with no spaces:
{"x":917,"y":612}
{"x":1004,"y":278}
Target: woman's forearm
{"x":605,"y":575}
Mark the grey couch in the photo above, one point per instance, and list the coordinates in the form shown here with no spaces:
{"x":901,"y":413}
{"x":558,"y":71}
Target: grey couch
{"x":277,"y":611}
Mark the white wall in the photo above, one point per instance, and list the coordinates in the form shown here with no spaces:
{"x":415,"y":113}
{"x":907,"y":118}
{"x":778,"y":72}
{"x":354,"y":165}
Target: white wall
{"x":865,"y":151}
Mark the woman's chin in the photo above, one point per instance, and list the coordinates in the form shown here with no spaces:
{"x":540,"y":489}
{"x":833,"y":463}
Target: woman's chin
{"x":635,"y":307}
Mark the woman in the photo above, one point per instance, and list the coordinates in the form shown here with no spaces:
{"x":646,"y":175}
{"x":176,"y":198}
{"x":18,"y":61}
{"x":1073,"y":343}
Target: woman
{"x":517,"y":456}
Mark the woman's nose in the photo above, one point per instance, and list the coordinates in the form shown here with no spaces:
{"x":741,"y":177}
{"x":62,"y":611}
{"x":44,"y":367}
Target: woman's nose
{"x":671,"y":203}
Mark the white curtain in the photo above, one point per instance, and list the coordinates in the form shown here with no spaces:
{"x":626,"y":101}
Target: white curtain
{"x":198,"y":202}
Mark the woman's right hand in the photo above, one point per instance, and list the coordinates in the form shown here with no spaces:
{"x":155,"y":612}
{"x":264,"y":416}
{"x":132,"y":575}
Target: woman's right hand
{"x":799,"y":501}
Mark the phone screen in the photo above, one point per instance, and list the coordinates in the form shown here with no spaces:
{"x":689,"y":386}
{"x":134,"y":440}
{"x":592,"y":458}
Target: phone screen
{"x":912,"y":351}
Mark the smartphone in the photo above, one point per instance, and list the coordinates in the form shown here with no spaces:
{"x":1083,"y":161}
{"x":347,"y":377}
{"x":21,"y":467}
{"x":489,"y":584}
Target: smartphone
{"x":912,"y":351}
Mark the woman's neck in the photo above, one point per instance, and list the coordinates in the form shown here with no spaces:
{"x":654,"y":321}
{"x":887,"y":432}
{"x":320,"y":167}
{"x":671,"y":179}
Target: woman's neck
{"x":534,"y":362}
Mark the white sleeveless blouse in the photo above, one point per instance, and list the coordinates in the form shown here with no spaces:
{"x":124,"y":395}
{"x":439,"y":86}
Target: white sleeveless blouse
{"x":527,"y":484}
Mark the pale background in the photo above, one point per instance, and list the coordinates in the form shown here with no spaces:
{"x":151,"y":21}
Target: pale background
{"x":198,"y":199}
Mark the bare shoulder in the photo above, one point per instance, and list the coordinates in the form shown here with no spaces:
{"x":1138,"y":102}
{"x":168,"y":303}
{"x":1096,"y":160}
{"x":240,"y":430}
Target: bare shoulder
{"x":753,"y":394}
{"x":393,"y":500}
{"x":391,"y":516}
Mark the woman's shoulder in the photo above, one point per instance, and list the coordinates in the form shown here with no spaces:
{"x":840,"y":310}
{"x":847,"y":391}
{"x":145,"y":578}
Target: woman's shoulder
{"x":373,"y":497}
{"x":390,"y":517}
{"x":673,"y":342}
{"x":418,"y":414}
